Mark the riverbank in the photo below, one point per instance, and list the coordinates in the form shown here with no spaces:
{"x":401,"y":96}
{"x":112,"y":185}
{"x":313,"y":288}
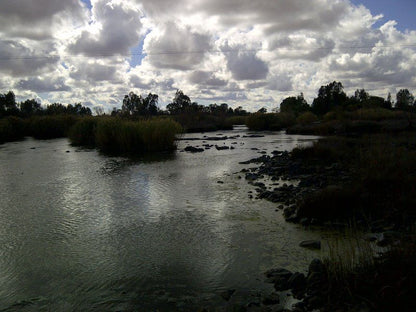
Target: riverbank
{"x":365,"y":182}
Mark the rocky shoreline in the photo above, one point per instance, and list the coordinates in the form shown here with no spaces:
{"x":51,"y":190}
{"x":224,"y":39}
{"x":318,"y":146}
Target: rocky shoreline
{"x":292,"y":179}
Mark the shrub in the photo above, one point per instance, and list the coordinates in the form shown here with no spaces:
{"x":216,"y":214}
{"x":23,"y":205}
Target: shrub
{"x":270,"y":121}
{"x":307,"y":118}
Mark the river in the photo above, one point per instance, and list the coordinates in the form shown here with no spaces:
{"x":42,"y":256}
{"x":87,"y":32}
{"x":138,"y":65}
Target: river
{"x":81,"y":231}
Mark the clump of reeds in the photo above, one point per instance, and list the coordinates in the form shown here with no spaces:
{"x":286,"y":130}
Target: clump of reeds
{"x":82,"y":133}
{"x":116,"y":135}
{"x":359,"y":273}
{"x":49,"y":127}
{"x":11,"y":129}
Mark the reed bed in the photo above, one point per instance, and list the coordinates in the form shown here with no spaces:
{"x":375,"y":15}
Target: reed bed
{"x":116,"y":135}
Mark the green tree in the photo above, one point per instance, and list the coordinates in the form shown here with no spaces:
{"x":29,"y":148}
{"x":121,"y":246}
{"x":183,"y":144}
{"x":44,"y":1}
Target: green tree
{"x":294,"y":105}
{"x":181,"y":103}
{"x":329,"y":97}
{"x":30,"y":107}
{"x":136,"y":105}
{"x":8,"y":104}
{"x":404,"y":99}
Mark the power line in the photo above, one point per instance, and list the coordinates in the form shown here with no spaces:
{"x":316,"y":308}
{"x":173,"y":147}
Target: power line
{"x":98,"y":55}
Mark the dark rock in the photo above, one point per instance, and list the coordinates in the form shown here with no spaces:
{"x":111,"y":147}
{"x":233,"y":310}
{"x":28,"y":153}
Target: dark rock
{"x":279,"y":277}
{"x":271,"y":299}
{"x":219,"y":148}
{"x":312,"y":244}
{"x":193,"y":149}
{"x":316,"y":265}
{"x":227,"y":294}
{"x":252,"y":176}
{"x":297,"y":281}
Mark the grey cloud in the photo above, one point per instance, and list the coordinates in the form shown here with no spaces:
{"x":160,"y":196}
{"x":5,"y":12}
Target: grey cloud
{"x":95,"y":72}
{"x":17,"y":59}
{"x":206,"y":78}
{"x":137,"y":82}
{"x":177,"y":48}
{"x":120,"y":31}
{"x":280,"y":83}
{"x":246,"y":66}
{"x":381,"y":65}
{"x":37,"y":84}
{"x":33,"y":19}
{"x":278,"y":15}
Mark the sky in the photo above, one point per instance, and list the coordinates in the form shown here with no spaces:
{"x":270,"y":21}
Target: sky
{"x":242,"y":52}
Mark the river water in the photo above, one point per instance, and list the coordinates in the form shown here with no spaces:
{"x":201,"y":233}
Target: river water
{"x":80,"y":231}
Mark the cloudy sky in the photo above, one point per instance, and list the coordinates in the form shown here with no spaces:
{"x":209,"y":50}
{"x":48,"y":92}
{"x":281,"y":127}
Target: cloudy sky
{"x":251,"y":53}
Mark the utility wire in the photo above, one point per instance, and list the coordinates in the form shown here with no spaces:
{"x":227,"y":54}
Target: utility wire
{"x":98,"y":55}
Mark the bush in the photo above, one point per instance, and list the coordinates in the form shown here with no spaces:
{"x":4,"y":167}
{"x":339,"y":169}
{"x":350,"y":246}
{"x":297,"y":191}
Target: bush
{"x":237,"y":120}
{"x":306,"y":118}
{"x":270,"y":121}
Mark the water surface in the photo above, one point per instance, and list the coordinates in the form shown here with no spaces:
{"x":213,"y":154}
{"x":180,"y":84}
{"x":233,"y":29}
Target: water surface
{"x":82,"y":231}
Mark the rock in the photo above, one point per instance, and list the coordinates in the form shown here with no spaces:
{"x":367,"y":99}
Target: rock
{"x":297,"y":281}
{"x":271,"y":299}
{"x":219,"y":148}
{"x":252,"y":176}
{"x":227,"y":294}
{"x":316,"y":265}
{"x":279,"y":277}
{"x":193,"y":149}
{"x":312,"y":244}
{"x":278,"y":272}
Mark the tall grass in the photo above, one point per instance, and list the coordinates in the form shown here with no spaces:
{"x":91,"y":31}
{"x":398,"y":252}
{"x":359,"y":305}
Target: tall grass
{"x":115,"y":135}
{"x":49,"y":127}
{"x":360,"y":273}
{"x":82,"y":133}
{"x":11,"y":129}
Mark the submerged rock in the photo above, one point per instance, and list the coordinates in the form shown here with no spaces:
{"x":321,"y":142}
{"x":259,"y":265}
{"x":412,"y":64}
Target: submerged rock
{"x":312,"y":244}
{"x":193,"y":149}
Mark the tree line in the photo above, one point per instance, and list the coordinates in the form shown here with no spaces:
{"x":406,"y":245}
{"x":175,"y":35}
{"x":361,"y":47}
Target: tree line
{"x":330,"y":97}
{"x":31,"y":107}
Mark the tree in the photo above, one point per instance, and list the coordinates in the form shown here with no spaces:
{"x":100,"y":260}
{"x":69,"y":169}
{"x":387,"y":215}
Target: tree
{"x":294,"y":105}
{"x":404,"y":99}
{"x":329,"y":97}
{"x":180,"y":103}
{"x":262,"y":110}
{"x":136,"y":105}
{"x":8,"y":104}
{"x":361,"y":95}
{"x":30,"y":107}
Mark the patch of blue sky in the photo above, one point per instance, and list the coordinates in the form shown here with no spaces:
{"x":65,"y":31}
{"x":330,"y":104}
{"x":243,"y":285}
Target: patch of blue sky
{"x":401,"y":11}
{"x":87,"y":3}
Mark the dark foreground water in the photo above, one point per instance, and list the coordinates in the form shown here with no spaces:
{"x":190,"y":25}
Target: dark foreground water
{"x":80,"y":231}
